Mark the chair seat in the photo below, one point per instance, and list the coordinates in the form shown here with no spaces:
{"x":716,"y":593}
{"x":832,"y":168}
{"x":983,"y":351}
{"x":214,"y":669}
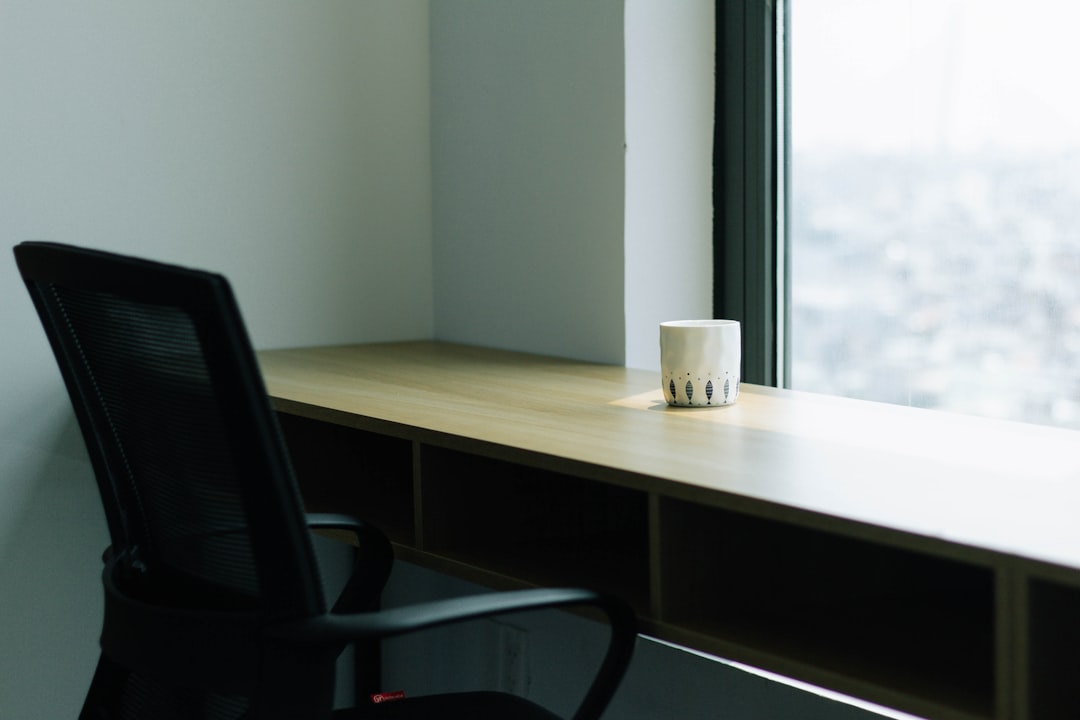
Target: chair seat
{"x":471,"y":705}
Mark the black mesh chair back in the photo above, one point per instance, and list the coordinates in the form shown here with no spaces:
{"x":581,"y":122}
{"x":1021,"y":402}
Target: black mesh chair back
{"x":201,"y":506}
{"x":213,"y":605}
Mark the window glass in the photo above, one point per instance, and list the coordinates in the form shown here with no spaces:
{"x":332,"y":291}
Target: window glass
{"x":934,"y":223}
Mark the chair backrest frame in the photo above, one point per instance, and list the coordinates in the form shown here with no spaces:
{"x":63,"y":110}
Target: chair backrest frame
{"x":287,"y":571}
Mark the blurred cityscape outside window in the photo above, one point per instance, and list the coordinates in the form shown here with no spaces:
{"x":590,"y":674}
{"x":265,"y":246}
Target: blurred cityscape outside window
{"x":934,"y":216}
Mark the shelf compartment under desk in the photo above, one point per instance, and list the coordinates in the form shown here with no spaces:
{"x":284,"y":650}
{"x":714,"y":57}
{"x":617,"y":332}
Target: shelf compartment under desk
{"x":535,"y":525}
{"x":1053,"y":650}
{"x":909,"y":628}
{"x":345,"y":470}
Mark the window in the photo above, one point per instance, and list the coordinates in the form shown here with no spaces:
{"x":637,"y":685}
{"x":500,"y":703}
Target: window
{"x":932,"y":210}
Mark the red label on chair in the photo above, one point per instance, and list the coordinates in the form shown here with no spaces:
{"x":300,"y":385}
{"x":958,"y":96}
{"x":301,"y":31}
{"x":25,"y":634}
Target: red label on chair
{"x":388,"y":696}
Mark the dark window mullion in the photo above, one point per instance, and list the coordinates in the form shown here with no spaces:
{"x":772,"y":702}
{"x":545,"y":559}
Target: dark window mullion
{"x":744,"y":188}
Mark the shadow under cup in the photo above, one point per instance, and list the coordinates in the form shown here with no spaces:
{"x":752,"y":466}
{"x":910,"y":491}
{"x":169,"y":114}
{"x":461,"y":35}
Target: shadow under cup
{"x":700,"y":362}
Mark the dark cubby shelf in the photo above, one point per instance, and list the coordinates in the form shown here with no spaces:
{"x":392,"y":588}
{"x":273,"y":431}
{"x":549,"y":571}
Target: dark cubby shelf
{"x":835,"y":603}
{"x":344,"y":470}
{"x":1054,"y":650}
{"x":540,"y":526}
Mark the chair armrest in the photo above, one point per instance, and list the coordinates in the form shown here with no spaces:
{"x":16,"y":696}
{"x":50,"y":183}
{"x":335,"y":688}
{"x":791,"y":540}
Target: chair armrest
{"x":332,"y":629}
{"x":339,"y":521}
{"x":371,"y":568}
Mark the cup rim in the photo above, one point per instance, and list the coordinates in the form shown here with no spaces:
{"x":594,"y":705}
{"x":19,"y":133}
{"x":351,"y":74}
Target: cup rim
{"x":698,"y":323}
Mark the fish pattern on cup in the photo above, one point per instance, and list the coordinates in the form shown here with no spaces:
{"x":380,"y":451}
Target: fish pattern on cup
{"x":693,"y":388}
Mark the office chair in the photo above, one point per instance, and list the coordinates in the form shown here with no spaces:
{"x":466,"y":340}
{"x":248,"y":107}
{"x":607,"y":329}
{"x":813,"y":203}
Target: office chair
{"x":213,"y":603}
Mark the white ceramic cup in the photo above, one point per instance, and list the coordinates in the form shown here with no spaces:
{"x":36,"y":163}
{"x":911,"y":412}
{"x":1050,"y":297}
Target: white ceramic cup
{"x":700,"y":362}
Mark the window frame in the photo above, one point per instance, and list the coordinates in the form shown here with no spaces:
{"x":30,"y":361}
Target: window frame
{"x":750,"y":276}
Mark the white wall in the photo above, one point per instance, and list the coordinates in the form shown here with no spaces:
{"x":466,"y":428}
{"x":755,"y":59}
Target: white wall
{"x":670,"y":59}
{"x":285,"y":144}
{"x":527,"y":171}
{"x":572,"y":173}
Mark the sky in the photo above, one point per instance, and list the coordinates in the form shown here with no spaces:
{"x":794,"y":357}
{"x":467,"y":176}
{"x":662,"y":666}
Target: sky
{"x":933,"y":75}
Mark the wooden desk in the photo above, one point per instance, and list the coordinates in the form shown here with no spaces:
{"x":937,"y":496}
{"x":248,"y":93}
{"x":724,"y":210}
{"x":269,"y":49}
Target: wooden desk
{"x":924,"y":561}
